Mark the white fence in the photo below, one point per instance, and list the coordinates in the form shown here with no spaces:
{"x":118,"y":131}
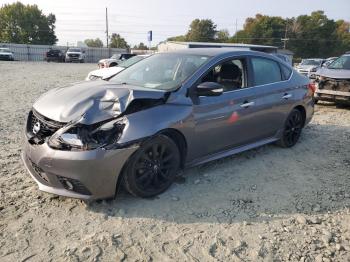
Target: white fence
{"x":24,"y":52}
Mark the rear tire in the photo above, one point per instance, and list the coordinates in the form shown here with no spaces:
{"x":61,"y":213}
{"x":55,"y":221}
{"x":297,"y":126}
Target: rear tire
{"x":292,"y":129}
{"x":152,"y":168}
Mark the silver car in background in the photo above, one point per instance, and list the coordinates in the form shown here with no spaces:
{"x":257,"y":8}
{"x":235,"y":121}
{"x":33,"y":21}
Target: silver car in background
{"x":165,"y":113}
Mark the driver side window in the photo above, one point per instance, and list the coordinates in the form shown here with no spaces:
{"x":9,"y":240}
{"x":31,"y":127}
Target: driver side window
{"x":230,"y":74}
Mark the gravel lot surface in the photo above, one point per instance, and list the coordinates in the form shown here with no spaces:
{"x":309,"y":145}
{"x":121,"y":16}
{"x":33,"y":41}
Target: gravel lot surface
{"x":268,"y":204}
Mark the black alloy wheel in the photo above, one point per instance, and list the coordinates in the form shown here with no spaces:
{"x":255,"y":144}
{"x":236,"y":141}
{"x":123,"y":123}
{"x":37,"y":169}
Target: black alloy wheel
{"x":153,"y":168}
{"x":292,"y":129}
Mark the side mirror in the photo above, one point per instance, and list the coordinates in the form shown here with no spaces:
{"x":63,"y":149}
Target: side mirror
{"x":209,"y":89}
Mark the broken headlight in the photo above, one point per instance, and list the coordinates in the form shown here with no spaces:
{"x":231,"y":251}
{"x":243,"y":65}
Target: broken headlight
{"x":88,"y":137}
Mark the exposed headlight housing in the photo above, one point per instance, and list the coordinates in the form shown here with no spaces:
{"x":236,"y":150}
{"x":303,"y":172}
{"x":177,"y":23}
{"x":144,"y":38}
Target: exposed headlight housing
{"x":81,"y":137}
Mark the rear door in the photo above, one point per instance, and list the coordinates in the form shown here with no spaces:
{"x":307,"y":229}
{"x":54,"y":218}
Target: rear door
{"x":273,"y":96}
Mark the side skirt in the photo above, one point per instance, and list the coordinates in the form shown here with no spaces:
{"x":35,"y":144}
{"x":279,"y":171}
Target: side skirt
{"x":230,"y":152}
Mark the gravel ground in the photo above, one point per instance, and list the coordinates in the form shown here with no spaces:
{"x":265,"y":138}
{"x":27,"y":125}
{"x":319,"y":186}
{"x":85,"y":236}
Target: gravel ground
{"x":267,"y":204}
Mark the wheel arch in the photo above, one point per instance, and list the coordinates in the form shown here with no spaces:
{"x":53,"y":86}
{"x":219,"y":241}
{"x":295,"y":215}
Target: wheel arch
{"x":172,"y":133}
{"x":303,"y":112}
{"x":179,"y":140}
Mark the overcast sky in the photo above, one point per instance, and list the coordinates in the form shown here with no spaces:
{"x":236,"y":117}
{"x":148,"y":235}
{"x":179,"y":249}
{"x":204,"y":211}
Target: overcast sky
{"x":81,"y":19}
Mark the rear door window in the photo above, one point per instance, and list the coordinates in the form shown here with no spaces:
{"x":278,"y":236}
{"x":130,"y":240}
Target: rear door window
{"x":286,"y":72}
{"x":265,"y":71}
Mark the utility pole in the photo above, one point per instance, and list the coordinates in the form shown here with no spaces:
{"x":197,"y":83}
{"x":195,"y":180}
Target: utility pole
{"x":236,"y":30}
{"x":107,"y":26}
{"x":285,"y":39}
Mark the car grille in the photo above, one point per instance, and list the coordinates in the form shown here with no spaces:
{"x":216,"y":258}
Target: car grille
{"x":40,"y":127}
{"x":73,"y":55}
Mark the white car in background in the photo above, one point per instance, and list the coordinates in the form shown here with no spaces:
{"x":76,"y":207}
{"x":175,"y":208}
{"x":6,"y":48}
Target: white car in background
{"x":6,"y":54}
{"x":309,"y":66}
{"x":106,"y":73}
{"x":75,"y":54}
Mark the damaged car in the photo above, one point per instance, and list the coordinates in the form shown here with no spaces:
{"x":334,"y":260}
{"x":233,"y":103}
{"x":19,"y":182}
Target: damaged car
{"x":165,"y":113}
{"x":333,"y":82}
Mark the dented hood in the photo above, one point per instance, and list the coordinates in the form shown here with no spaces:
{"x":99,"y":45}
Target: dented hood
{"x":97,"y":101}
{"x":334,"y":73}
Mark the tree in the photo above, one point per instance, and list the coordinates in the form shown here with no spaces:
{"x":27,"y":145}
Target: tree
{"x":223,"y":36}
{"x":262,"y":30}
{"x":94,"y":42}
{"x":179,"y":38}
{"x":141,"y":46}
{"x":309,"y":35}
{"x":118,"y":42}
{"x":343,"y":34}
{"x":315,"y":35}
{"x":201,"y":31}
{"x":26,"y":24}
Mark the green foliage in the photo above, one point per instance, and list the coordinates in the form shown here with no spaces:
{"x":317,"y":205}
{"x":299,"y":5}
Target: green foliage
{"x":94,"y":42}
{"x":343,"y":33}
{"x":312,"y":35}
{"x":201,"y":31}
{"x":179,"y":38}
{"x":223,"y":36}
{"x":141,"y":46}
{"x":26,"y":24}
{"x":118,"y":42}
{"x":262,"y":30}
{"x":309,"y":35}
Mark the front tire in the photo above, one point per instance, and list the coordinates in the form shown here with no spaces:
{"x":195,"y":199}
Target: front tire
{"x":292,"y":129}
{"x":152,"y":168}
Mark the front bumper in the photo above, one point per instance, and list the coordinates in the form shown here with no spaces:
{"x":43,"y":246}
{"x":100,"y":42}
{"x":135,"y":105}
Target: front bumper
{"x":92,"y":174}
{"x":332,"y":96}
{"x":74,"y":59}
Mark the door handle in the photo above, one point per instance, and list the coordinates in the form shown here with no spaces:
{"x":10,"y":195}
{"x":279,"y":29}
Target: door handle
{"x":287,"y":96}
{"x":247,"y":104}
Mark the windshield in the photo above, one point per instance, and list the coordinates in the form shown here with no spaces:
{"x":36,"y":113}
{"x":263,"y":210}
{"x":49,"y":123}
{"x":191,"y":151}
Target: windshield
{"x":342,"y":62}
{"x":5,"y":50}
{"x":161,"y":71}
{"x":74,"y":50}
{"x":115,"y":56}
{"x":131,"y":61}
{"x":314,"y":62}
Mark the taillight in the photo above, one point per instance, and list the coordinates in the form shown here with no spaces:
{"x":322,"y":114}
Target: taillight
{"x":312,"y":87}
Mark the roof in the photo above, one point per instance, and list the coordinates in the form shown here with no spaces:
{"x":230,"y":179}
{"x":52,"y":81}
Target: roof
{"x":212,"y":51}
{"x":224,"y":45}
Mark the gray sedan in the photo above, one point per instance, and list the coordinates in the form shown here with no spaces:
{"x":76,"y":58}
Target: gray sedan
{"x":165,"y":113}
